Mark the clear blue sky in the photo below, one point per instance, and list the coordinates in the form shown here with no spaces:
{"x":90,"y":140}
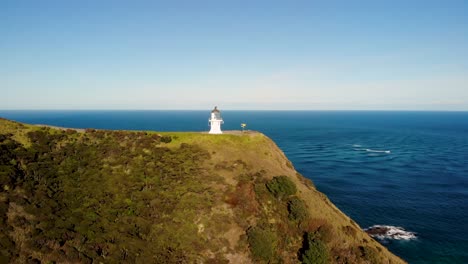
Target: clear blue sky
{"x":406,"y":55}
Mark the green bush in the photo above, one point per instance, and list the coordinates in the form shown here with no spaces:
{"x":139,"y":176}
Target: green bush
{"x":166,"y":139}
{"x":314,"y":251}
{"x":297,"y":209}
{"x":262,"y":243}
{"x":281,"y":186}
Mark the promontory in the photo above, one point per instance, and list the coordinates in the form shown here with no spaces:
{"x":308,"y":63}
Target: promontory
{"x":102,"y":196}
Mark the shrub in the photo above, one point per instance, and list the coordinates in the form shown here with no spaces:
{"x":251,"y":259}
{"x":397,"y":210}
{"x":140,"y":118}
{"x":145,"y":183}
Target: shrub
{"x":320,"y":228}
{"x":70,"y":131}
{"x":261,"y":192}
{"x":166,"y":139}
{"x":350,"y":231}
{"x":297,"y":209}
{"x":281,"y":186}
{"x":314,"y":251}
{"x":370,"y":254}
{"x":313,"y":224}
{"x":246,"y":196}
{"x":262,"y":243}
{"x":325,"y":233}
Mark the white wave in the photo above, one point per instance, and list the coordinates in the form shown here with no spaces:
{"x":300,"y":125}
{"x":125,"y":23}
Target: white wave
{"x":390,"y":232}
{"x":357,"y":146}
{"x":378,"y":151}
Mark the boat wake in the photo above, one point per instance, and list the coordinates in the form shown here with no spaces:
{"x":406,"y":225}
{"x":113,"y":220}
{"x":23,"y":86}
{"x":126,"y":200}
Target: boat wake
{"x":378,"y":151}
{"x":358,"y":147}
{"x":383,"y":232}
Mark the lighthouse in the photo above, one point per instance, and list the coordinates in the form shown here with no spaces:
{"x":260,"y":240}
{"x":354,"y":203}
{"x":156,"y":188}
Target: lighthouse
{"x":215,"y":121}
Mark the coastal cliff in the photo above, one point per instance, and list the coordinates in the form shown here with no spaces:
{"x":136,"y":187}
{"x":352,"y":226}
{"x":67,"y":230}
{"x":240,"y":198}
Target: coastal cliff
{"x":84,"y":196}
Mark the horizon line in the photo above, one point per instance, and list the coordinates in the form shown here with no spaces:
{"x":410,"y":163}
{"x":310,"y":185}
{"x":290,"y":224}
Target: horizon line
{"x":271,"y":110}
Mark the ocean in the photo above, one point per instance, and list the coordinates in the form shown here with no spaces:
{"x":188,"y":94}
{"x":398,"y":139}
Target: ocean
{"x":391,"y":168}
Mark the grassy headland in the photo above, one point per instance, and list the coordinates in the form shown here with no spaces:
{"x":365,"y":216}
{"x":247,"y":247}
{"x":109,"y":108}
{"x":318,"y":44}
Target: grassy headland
{"x":147,"y":197}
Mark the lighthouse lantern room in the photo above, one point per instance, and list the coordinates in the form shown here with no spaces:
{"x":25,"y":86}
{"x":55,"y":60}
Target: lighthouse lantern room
{"x":215,"y":121}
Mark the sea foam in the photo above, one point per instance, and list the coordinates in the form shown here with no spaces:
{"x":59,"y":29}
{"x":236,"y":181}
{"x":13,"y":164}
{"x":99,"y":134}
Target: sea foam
{"x":390,"y":232}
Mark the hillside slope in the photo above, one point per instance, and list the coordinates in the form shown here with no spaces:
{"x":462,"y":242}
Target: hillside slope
{"x":89,"y":196}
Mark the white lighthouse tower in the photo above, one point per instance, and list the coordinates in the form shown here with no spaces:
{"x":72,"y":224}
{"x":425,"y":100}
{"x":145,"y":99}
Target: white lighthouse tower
{"x":215,"y":121}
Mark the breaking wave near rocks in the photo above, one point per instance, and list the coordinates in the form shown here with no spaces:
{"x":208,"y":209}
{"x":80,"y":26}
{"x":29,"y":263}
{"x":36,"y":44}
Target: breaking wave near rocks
{"x":390,"y":232}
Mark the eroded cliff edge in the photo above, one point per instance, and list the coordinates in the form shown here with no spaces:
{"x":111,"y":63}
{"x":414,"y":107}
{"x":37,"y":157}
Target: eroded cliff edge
{"x":148,"y":197}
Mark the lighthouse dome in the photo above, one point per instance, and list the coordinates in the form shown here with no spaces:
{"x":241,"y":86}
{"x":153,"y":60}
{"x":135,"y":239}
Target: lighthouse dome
{"x":215,"y":110}
{"x":215,"y":113}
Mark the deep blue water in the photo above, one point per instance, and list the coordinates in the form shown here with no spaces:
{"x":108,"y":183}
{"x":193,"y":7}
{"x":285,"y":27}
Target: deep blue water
{"x":420,"y":185}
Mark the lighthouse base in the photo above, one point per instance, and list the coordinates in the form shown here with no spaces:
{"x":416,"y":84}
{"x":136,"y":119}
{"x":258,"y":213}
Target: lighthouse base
{"x":215,"y":127}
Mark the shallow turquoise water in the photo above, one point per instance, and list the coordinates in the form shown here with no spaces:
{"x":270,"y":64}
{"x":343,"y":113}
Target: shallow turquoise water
{"x":407,"y":169}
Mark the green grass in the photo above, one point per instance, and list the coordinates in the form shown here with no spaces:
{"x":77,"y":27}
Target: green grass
{"x":210,"y":141}
{"x":18,"y":130}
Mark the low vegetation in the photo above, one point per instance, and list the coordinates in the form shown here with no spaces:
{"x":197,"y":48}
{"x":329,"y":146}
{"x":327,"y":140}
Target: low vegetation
{"x":98,"y":196}
{"x":314,"y":251}
{"x":297,"y":209}
{"x":262,"y":243}
{"x":281,"y":186}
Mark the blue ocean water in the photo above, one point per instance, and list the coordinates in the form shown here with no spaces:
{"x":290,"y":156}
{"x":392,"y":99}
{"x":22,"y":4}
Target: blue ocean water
{"x":407,"y":169}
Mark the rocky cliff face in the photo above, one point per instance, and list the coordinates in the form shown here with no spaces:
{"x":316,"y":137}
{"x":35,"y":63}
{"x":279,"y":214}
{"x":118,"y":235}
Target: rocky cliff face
{"x":146,"y":197}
